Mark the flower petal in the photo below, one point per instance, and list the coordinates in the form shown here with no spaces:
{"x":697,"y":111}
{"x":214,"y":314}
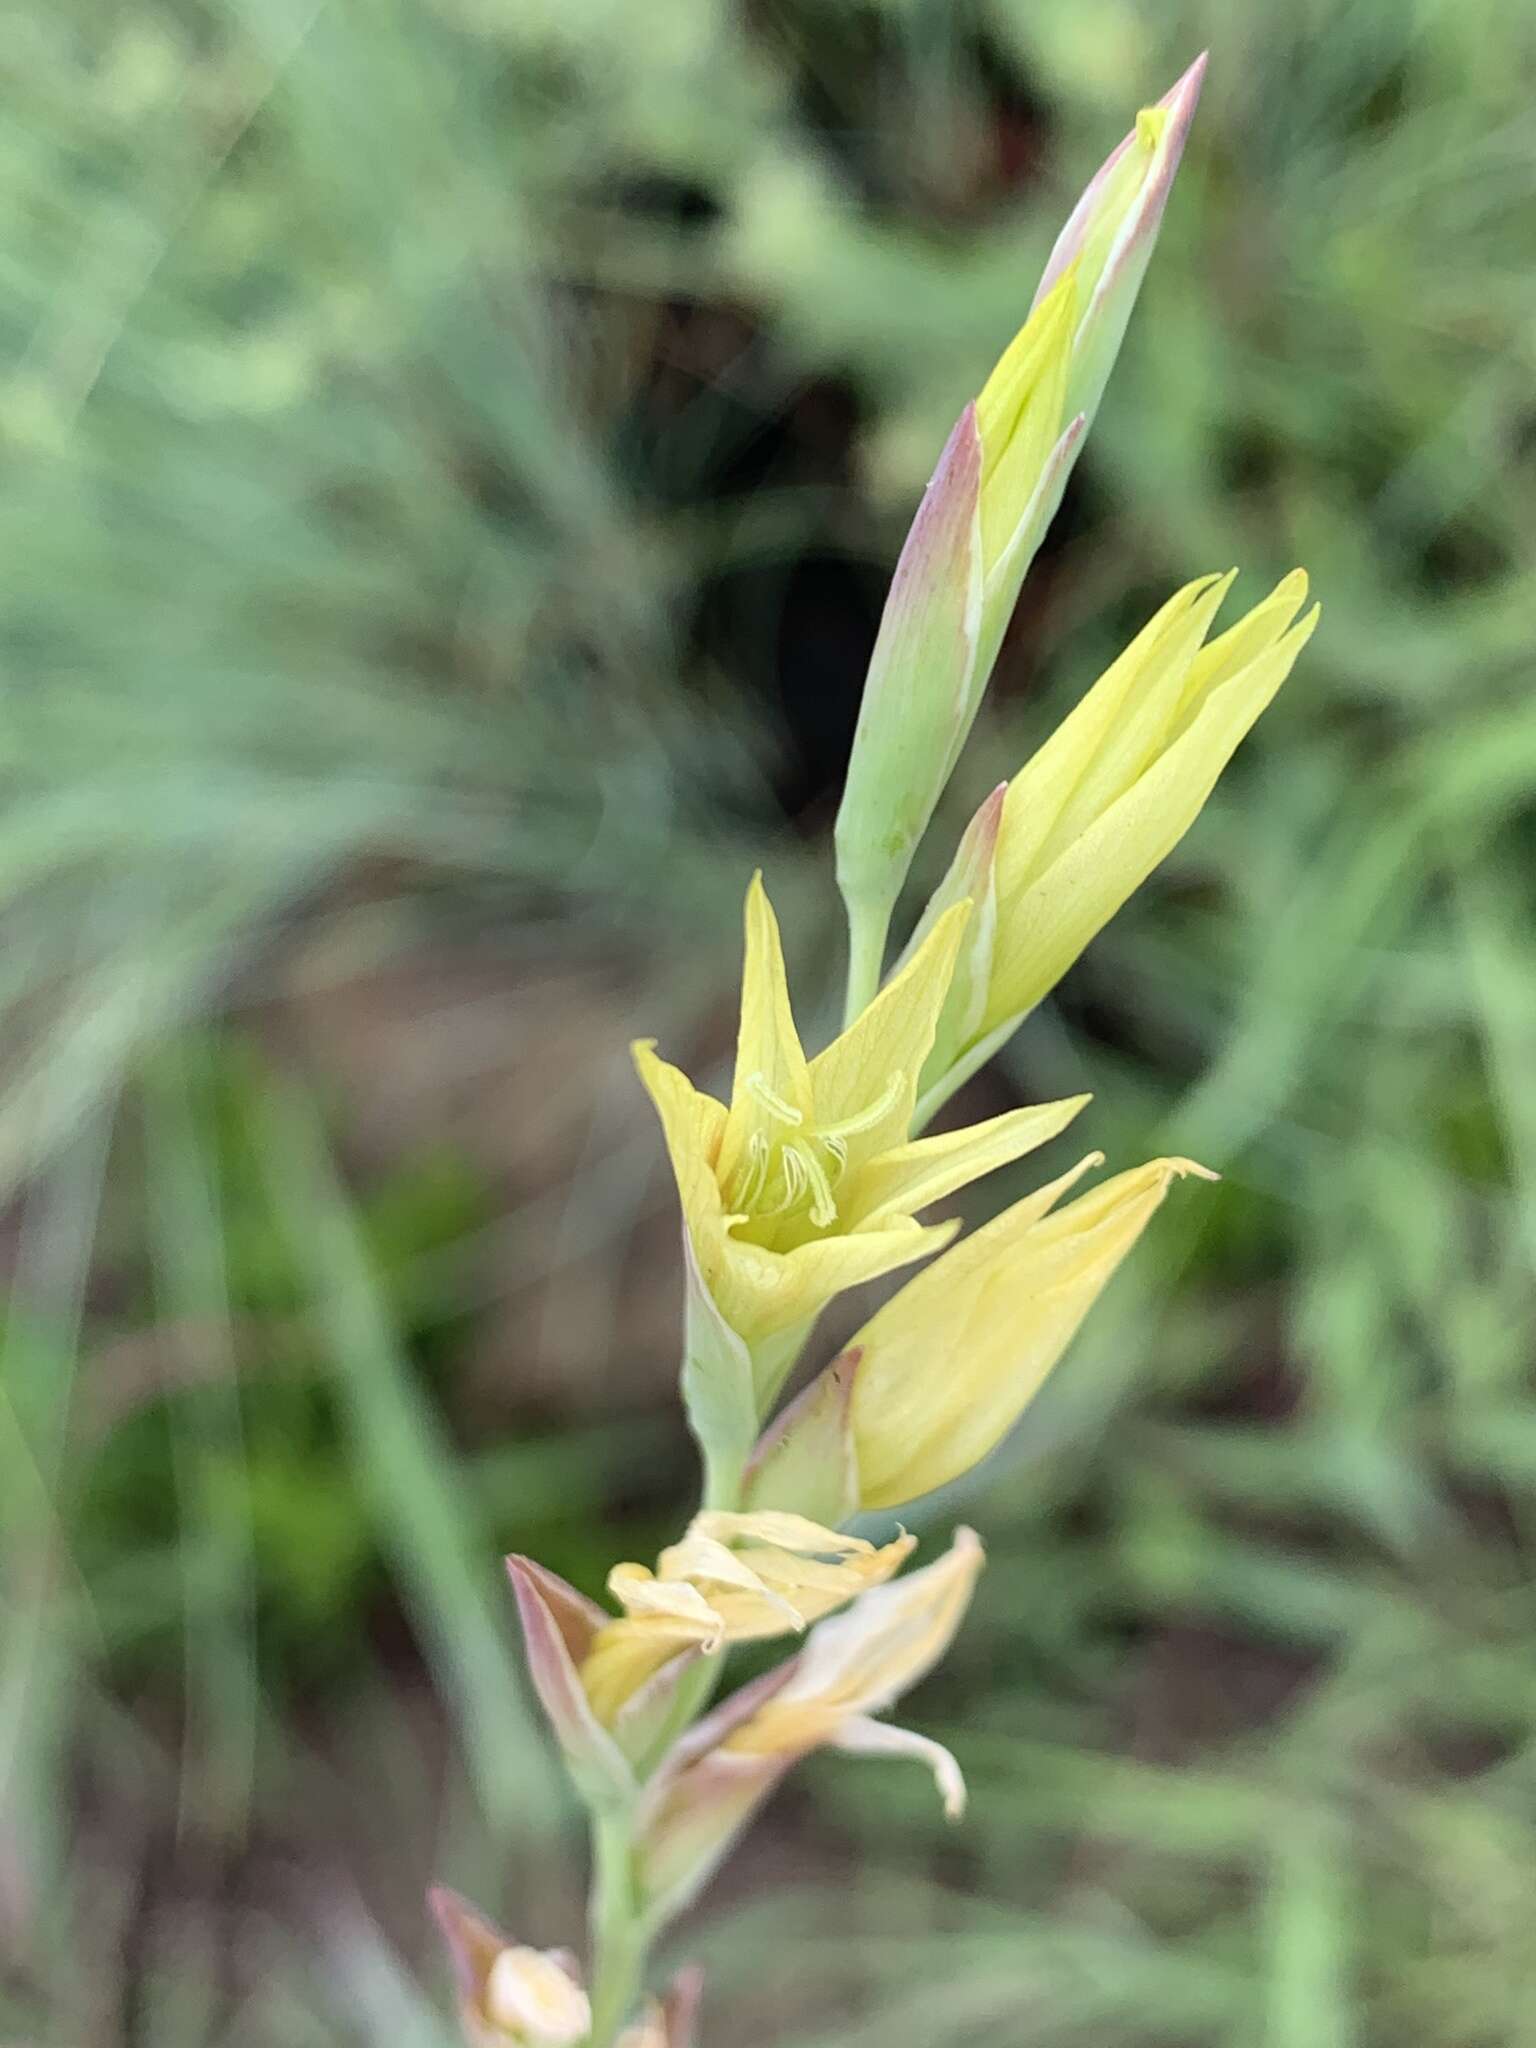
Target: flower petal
{"x":999,"y":1310}
{"x":878,"y":1058}
{"x":807,"y":1454}
{"x":912,"y":1176}
{"x":1045,"y":789}
{"x":765,"y":1292}
{"x":861,"y":1736}
{"x":864,"y":1659}
{"x":770,"y":1065}
{"x":1020,"y":413}
{"x":713,"y":1781}
{"x":595,"y":1760}
{"x":1045,"y":926}
{"x":692,"y":1124}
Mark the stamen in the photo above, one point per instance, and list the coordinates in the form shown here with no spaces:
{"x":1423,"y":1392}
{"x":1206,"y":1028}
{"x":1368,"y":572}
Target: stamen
{"x":823,"y":1206}
{"x":866,"y":1119}
{"x":792,"y":1166}
{"x":838,"y":1147}
{"x":750,"y":1181}
{"x":773,"y":1102}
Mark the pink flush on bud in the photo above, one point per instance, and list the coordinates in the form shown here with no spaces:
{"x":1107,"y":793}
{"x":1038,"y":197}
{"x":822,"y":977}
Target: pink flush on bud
{"x":993,"y":495}
{"x":1110,"y":233}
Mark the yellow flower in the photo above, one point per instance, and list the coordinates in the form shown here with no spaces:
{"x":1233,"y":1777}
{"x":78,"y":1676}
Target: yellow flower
{"x":1106,"y":799}
{"x":1120,"y":782}
{"x":946,"y":1368}
{"x":853,"y":1668}
{"x":734,"y":1578}
{"x":807,"y":1183}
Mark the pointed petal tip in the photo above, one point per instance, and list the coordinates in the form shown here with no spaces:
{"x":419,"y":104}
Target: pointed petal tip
{"x":1182,"y":96}
{"x":1179,"y":1168}
{"x":446,"y":1908}
{"x":469,"y":1937}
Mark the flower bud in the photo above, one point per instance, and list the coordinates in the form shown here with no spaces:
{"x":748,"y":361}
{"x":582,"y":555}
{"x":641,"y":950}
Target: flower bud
{"x":994,"y":493}
{"x":510,"y":1996}
{"x":1110,"y":234}
{"x":998,"y":1310}
{"x":1113,"y":791}
{"x":532,"y":1998}
{"x":1120,"y":782}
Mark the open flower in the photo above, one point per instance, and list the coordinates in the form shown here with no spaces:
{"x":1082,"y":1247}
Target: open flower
{"x":987,"y":506}
{"x":734,"y":1578}
{"x":807,"y":1184}
{"x":1108,"y":797}
{"x":852,"y":1669}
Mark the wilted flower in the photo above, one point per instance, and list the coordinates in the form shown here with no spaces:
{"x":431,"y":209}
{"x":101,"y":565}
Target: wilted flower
{"x":734,"y":1578}
{"x":852,"y":1668}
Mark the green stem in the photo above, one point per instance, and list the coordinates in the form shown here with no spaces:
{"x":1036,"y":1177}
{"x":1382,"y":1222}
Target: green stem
{"x":868,"y":924}
{"x":620,"y":1938}
{"x":621,"y":1934}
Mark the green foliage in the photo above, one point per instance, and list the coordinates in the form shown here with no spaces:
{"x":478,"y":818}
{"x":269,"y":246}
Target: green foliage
{"x":421,"y":421}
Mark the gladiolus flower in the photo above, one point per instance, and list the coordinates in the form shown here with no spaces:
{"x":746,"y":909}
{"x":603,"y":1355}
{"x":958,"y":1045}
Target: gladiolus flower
{"x":947,"y":1367}
{"x":734,"y":1578}
{"x":852,"y":1669}
{"x":1108,"y":797}
{"x":807,"y":1184}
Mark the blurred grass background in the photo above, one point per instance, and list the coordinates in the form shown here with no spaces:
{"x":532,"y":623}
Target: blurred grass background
{"x":453,"y":453}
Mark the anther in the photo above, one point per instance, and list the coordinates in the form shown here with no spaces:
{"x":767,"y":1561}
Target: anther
{"x":792,"y":1166}
{"x":866,"y":1119}
{"x":773,"y":1101}
{"x":750,"y":1182}
{"x":823,"y":1205}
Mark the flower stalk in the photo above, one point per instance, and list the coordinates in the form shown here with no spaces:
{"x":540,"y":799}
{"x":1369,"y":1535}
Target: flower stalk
{"x":818,"y":1175}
